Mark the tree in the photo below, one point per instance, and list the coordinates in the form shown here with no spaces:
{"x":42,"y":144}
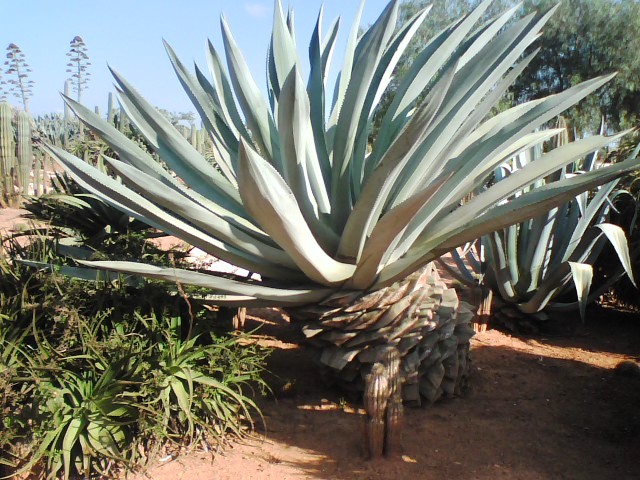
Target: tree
{"x":584,"y":39}
{"x":78,"y":66}
{"x":17,"y":67}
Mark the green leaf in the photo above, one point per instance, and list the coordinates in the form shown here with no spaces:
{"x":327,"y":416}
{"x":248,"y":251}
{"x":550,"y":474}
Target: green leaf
{"x":278,"y":296}
{"x":582,"y":276}
{"x":255,"y":109}
{"x":367,"y":58}
{"x":73,"y":430}
{"x":618,"y":239}
{"x":270,"y":201}
{"x":213,"y":121}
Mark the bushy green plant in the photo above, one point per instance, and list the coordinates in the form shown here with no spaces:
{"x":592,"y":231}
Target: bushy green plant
{"x":84,"y":418}
{"x":194,"y":389}
{"x":90,"y":372}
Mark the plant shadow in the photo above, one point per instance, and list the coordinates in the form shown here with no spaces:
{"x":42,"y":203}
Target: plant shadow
{"x":532,"y":412}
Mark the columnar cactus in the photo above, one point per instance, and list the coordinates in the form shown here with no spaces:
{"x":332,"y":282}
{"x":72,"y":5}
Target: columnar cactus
{"x":7,"y":154}
{"x":25,"y":151}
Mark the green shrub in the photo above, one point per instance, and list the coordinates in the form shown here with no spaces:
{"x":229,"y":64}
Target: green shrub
{"x":93,"y":374}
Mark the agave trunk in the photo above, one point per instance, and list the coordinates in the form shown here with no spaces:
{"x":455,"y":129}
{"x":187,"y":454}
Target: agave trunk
{"x":419,"y":317}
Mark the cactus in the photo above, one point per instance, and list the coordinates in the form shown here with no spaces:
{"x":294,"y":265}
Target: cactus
{"x":122,"y":120}
{"x":25,"y":151}
{"x":7,"y":154}
{"x":376,"y":397}
{"x":383,"y":403}
{"x":67,"y":92}
{"x":193,"y":136}
{"x":110,"y":109}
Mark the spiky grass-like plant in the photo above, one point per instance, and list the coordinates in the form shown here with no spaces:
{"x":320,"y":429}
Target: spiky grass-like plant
{"x":342,"y":230}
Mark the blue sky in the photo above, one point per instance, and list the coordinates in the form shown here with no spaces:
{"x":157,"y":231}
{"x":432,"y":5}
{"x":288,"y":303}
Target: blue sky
{"x":127,"y":34}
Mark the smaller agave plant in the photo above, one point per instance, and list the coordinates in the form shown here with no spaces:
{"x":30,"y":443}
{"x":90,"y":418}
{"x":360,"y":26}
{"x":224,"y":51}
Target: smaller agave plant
{"x":545,"y":264}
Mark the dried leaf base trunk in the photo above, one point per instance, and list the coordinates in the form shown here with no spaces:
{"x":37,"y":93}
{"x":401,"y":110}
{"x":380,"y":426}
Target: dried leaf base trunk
{"x":419,"y":317}
{"x":508,"y":317}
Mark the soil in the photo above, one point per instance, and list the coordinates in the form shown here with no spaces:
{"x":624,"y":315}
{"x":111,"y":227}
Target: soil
{"x":537,"y":408}
{"x":551,"y":407}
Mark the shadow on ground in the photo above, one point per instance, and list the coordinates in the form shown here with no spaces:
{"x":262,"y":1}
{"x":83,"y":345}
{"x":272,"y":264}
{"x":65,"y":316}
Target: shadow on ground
{"x":536,"y":409}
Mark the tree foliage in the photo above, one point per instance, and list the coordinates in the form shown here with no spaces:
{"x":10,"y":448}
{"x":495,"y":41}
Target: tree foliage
{"x":583,"y":39}
{"x":19,"y":83}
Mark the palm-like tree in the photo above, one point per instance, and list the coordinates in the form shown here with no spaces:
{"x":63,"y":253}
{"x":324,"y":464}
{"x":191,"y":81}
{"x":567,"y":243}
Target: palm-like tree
{"x":342,"y":229}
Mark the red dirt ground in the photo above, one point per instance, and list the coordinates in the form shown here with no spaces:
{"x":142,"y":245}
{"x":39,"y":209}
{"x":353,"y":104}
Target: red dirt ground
{"x":538,"y":408}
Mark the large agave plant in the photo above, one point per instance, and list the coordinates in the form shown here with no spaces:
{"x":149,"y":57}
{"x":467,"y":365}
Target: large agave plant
{"x":340,"y":228}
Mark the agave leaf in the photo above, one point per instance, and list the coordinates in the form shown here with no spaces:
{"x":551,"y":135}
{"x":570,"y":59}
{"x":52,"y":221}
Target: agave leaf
{"x":488,"y":33}
{"x":500,"y":191}
{"x":224,"y":93}
{"x":343,"y":80}
{"x":511,"y":239}
{"x":130,"y":153}
{"x":437,"y":209}
{"x":199,"y":216}
{"x":319,"y":58}
{"x":497,"y":253}
{"x":387,"y":232}
{"x":278,"y":296}
{"x":493,"y":137}
{"x":463,"y":138}
{"x":305,"y":181}
{"x":548,"y":289}
{"x":422,"y":71}
{"x":270,"y":201}
{"x":528,"y":205}
{"x":116,"y":194}
{"x":366,"y":62}
{"x":468,"y":88}
{"x":88,"y":274}
{"x":283,"y":50}
{"x":379,"y":185}
{"x":590,"y":214}
{"x":128,"y":150}
{"x":255,"y":109}
{"x":175,"y":150}
{"x":460,"y":273}
{"x":582,"y":276}
{"x":618,"y":239}
{"x":380,"y":82}
{"x":207,"y":110}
